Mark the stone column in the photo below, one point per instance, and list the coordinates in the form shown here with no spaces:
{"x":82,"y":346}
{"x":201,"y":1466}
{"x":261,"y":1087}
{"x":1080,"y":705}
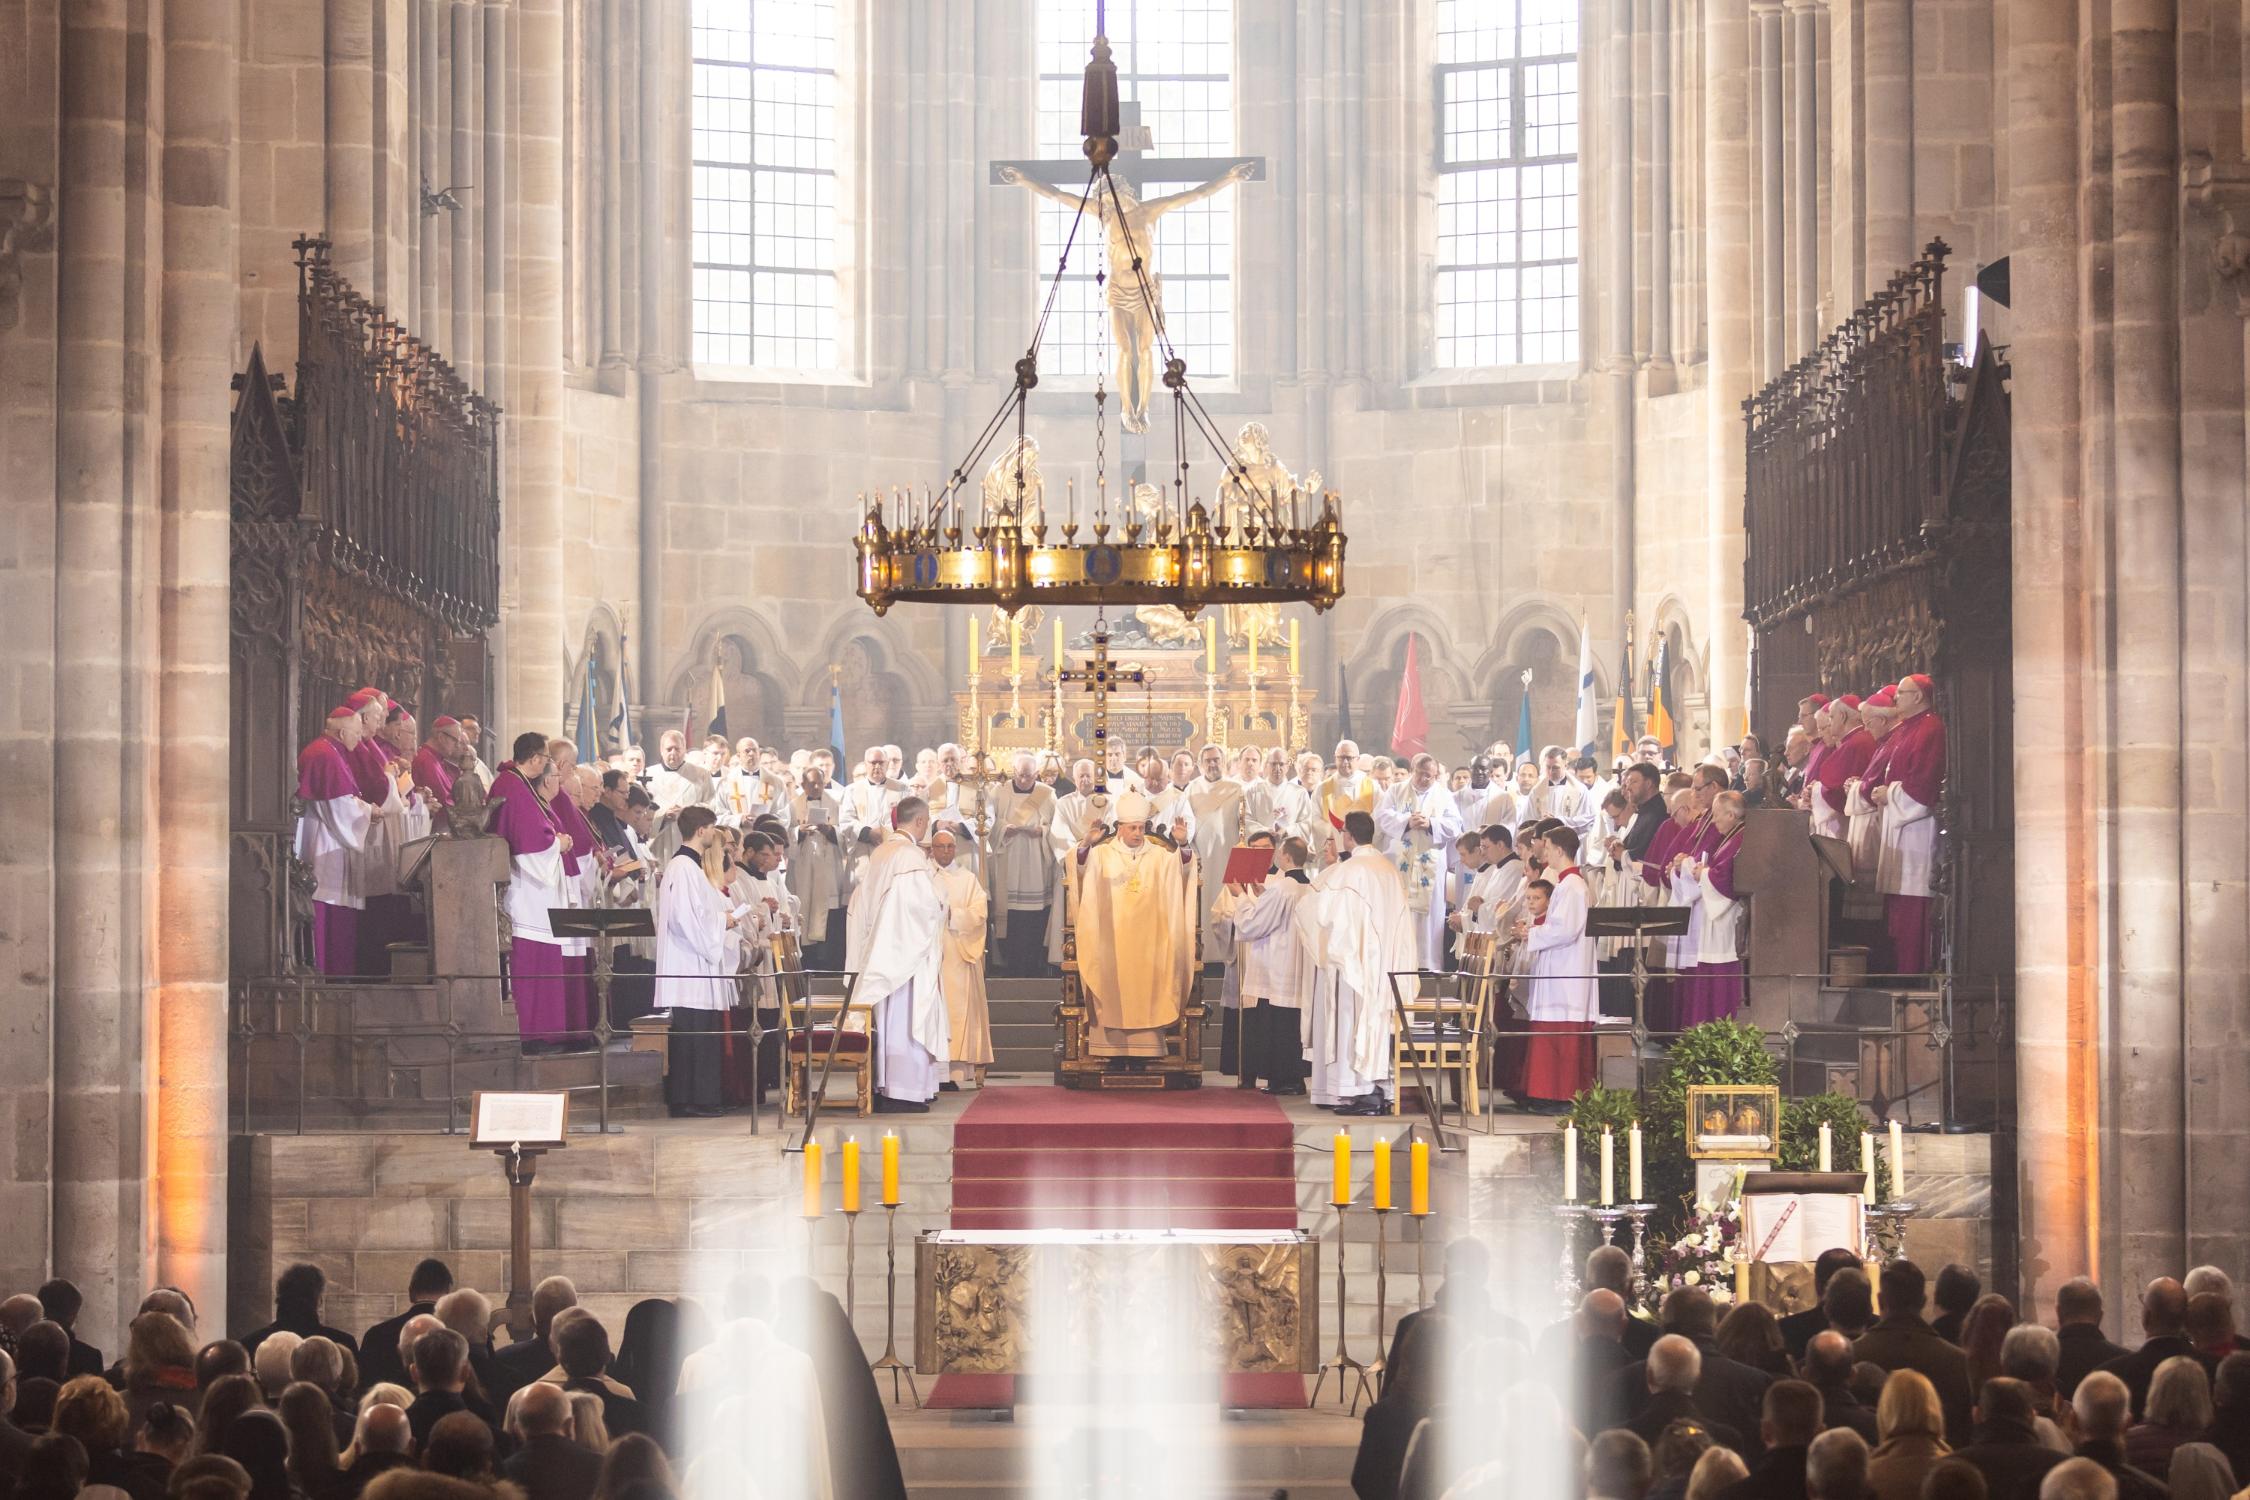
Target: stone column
{"x":350,"y":57}
{"x":434,"y":96}
{"x":1887,"y":84}
{"x":1726,"y":206}
{"x":660,"y":142}
{"x":108,"y":227}
{"x":1773,"y":279}
{"x":460,"y":342}
{"x":201,"y":318}
{"x":494,"y":197}
{"x":611,"y":185}
{"x":1658,"y":27}
{"x":1617,"y":362}
{"x":533,"y":490}
{"x":391,"y":177}
{"x":1804,"y":175}
{"x":2059,"y":1030}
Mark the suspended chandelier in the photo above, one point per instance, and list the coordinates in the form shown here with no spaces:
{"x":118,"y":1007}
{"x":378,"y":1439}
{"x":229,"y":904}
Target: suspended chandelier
{"x":1258,"y":545}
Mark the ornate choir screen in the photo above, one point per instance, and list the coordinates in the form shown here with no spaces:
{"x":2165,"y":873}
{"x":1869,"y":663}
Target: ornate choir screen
{"x":1876,"y":507}
{"x":366,"y":549}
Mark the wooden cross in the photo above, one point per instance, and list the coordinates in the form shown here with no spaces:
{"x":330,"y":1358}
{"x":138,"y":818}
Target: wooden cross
{"x":1102,"y":677}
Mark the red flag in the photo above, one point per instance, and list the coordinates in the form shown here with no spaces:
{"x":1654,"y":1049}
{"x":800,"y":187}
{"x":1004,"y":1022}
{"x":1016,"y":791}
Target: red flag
{"x":1410,"y":726}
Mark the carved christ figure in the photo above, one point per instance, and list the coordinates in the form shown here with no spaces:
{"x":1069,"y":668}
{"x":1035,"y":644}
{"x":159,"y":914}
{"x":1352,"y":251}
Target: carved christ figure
{"x":1134,"y":309}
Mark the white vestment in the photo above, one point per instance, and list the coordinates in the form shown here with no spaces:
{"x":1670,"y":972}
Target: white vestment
{"x":1864,"y":831}
{"x":1561,"y":959}
{"x":816,"y":862}
{"x":1217,"y":809}
{"x":693,"y":968}
{"x":860,"y":806}
{"x":1023,"y":877}
{"x":1909,"y":844}
{"x":1270,"y":960}
{"x":330,"y":834}
{"x":1075,"y":816}
{"x":1421,"y":856}
{"x":961,"y":976}
{"x":895,"y":941}
{"x":1358,"y":932}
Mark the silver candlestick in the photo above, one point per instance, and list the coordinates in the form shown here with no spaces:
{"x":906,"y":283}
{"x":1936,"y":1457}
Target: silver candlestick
{"x":1566,"y":1278}
{"x":1638,"y":1213}
{"x":1886,"y":1229}
{"x":1609,"y":1216}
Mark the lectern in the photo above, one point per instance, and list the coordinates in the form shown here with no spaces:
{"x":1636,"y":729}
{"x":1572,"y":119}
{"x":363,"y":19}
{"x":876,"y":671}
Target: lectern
{"x":605,"y":925}
{"x":519,"y":1128}
{"x":1638,"y":924}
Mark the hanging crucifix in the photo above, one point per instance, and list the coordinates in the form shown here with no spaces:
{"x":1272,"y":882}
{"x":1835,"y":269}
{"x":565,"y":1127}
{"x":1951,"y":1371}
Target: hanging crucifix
{"x":1102,"y":677}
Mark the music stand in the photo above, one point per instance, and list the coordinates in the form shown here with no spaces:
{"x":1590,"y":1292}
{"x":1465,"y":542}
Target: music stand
{"x":1638,"y":924}
{"x":605,"y":925}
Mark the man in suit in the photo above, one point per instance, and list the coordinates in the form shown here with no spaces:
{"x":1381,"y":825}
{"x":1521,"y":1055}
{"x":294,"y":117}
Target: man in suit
{"x":1598,"y":1352}
{"x":1728,"y":1393}
{"x":2164,"y":1320}
{"x":441,"y":1369}
{"x":1828,"y":1370}
{"x":1836,"y":1466}
{"x":1788,"y":1421}
{"x":378,"y":1350}
{"x":62,"y":1303}
{"x":551,"y":1465}
{"x":2007,"y":1449}
{"x":1670,"y":1376}
{"x":297,"y":1296}
{"x":2078,"y":1326}
{"x":1902,"y":1340}
{"x":527,"y":1360}
{"x":15,"y":1443}
{"x":582,"y":1347}
{"x":1608,"y":1269}
{"x":2102,"y":1406}
{"x":1798,"y":1328}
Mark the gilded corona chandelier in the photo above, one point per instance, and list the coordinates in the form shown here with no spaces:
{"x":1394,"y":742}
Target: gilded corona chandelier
{"x":1259,"y":544}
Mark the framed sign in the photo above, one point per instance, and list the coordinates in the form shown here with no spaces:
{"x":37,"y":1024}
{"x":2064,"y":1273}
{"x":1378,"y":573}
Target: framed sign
{"x":1733,"y":1122}
{"x":534,"y":1121}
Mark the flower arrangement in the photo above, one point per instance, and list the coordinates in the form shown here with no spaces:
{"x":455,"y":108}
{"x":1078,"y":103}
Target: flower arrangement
{"x":1703,"y":1252}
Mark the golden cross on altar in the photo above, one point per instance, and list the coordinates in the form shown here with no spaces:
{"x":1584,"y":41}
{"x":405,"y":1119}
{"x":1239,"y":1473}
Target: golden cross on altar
{"x":1102,"y":677}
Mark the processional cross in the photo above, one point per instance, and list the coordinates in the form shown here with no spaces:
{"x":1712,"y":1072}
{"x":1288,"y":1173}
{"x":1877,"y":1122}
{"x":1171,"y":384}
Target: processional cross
{"x":1102,"y":677}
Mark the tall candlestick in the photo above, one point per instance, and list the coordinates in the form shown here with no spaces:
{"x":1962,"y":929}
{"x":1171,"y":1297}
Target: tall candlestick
{"x":1211,"y":645}
{"x":890,"y":1169}
{"x":1015,"y":644}
{"x":1418,"y":1178}
{"x":1609,"y":1167}
{"x":1343,"y":1165}
{"x":1382,"y":1173}
{"x":1898,"y":1162}
{"x":1292,"y":648}
{"x":1253,"y":651}
{"x":812,"y":1179}
{"x":1827,"y":1162}
{"x":1058,"y":648}
{"x":1867,"y":1161}
{"x":851,"y":1174}
{"x":976,"y":643}
{"x":1633,"y":1165}
{"x":1570,"y":1164}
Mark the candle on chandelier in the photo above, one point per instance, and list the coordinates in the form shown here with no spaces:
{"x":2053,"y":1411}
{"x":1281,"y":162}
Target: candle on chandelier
{"x":812,"y":1179}
{"x":1293,"y":648}
{"x":1633,"y":1165}
{"x":890,"y":1169}
{"x":1341,"y":1197}
{"x":851,"y":1174}
{"x":1418,"y":1179}
{"x":1898,"y":1162}
{"x":1382,"y":1173}
{"x":1570,"y":1164}
{"x":1827,"y":1162}
{"x":1609,"y":1167}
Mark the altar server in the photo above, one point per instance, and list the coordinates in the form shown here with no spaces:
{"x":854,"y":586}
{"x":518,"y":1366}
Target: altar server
{"x":1272,"y":970}
{"x":697,"y":943}
{"x":896,"y":944}
{"x":1356,"y":924}
{"x":1563,"y":995}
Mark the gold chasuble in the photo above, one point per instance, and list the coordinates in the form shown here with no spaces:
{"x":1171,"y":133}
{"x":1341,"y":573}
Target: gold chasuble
{"x":1136,"y":945}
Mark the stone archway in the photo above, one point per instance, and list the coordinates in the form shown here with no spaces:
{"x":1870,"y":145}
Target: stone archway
{"x":1553,"y":664}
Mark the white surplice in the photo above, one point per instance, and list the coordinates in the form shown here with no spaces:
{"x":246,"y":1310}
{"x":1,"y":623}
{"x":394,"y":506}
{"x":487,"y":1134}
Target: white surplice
{"x":693,"y":968}
{"x":1270,"y":958}
{"x":330,"y":834}
{"x":1563,"y":986}
{"x":895,"y":941}
{"x":1421,"y":856}
{"x":1216,"y":807}
{"x":1358,"y":931}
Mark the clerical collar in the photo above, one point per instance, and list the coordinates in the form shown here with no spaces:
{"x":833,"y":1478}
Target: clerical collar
{"x":1297,"y":875}
{"x":688,"y":851}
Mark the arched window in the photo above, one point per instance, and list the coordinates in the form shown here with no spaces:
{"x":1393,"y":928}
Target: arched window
{"x":765,"y":215}
{"x":1175,"y":60}
{"x":1507,"y":180}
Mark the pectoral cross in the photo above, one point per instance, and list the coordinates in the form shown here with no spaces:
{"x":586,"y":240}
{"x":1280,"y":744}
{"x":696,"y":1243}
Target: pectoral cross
{"x":1102,"y":677}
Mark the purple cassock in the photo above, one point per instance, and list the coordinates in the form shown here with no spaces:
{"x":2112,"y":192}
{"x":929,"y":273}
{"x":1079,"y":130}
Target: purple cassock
{"x":548,"y":985}
{"x":1916,"y":767}
{"x":1712,"y":989}
{"x":433,"y":776}
{"x":332,"y":826}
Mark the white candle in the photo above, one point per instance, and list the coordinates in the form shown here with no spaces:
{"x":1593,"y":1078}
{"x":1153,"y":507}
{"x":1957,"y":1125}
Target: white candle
{"x":1609,"y":1167}
{"x":1898,"y":1162}
{"x":1867,"y":1161}
{"x":1633,"y":1164}
{"x":1827,"y":1159}
{"x":1570,"y":1164}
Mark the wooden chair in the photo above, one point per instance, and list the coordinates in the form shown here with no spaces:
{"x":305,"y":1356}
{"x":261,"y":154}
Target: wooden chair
{"x":1445,"y":1033}
{"x":808,"y":1026}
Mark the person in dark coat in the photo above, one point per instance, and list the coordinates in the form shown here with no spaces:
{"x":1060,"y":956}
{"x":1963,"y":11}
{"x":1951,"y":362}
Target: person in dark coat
{"x":582,"y":1348}
{"x":2006,"y":1448}
{"x":2103,"y":1405}
{"x":441,"y":1369}
{"x":1901,"y":1340}
{"x":1789,"y":1419}
{"x":378,"y":1348}
{"x":659,"y":1335}
{"x":2164,"y":1320}
{"x":551,"y":1464}
{"x":1727,"y":1393}
{"x":2078,"y":1327}
{"x":1828,"y":1370}
{"x":1597,"y":1355}
{"x":2229,"y":1431}
{"x":15,"y":1443}
{"x":1798,"y":1328}
{"x":1673,"y":1374}
{"x":862,"y":1458}
{"x":1608,"y":1269}
{"x":297,"y":1294}
{"x":1409,"y":1393}
{"x":62,"y":1302}
{"x":1955,"y":1294}
{"x":526,"y":1360}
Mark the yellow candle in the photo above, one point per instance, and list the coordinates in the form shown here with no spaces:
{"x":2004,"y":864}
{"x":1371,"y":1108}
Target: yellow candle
{"x":1741,"y":1282}
{"x":890,"y":1169}
{"x":1292,"y":648}
{"x":1898,"y":1162}
{"x":1827,"y":1162}
{"x":1015,"y":644}
{"x":1633,"y":1165}
{"x":1382,"y":1173}
{"x":1570,"y":1164}
{"x":1253,"y":650}
{"x":1867,"y":1162}
{"x":851,"y":1174}
{"x":812,"y":1179}
{"x":1343,"y":1163}
{"x":1418,"y":1177}
{"x":975,"y":645}
{"x":1609,"y":1167}
{"x":1211,"y":645}
{"x":1058,"y":648}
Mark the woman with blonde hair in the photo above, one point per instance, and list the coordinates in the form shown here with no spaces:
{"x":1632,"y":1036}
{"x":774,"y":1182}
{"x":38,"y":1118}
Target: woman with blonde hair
{"x":587,"y":1424}
{"x":1911,"y":1425}
{"x":159,"y":1365}
{"x":1714,"y":1473}
{"x":2178,"y":1410}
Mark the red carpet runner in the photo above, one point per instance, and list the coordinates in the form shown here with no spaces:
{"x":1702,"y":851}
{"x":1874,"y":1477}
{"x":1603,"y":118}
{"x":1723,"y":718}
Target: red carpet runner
{"x":1049,"y":1158}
